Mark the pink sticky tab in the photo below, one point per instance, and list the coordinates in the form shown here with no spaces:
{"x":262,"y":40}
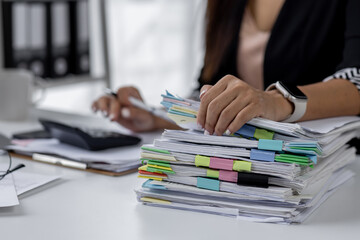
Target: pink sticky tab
{"x":228,"y":176}
{"x":221,"y":163}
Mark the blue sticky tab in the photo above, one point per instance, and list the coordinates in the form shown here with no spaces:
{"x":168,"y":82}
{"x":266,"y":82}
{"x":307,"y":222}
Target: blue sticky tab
{"x":167,"y":105}
{"x":262,"y":155}
{"x":246,"y":131}
{"x":273,"y":145}
{"x":313,"y":158}
{"x":148,"y":184}
{"x":207,"y":183}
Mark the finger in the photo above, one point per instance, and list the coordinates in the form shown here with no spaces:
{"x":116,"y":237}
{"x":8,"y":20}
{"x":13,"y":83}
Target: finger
{"x":135,"y":118}
{"x":94,"y":107}
{"x":211,"y":94}
{"x":245,"y":115}
{"x":203,"y":90}
{"x":114,"y":109}
{"x":216,"y":107}
{"x":103,"y":105}
{"x":123,"y":95}
{"x":228,"y":115}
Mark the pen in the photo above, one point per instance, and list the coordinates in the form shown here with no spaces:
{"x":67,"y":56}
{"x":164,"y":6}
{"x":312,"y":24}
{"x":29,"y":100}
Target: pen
{"x":140,"y":104}
{"x":58,"y":161}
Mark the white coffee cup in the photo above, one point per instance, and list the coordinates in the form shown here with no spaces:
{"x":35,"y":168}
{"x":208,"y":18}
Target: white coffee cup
{"x":15,"y":94}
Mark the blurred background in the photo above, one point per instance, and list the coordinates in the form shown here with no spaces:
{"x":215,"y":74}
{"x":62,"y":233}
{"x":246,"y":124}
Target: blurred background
{"x":77,"y":48}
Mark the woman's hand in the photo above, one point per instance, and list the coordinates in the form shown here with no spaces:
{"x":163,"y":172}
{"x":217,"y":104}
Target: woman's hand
{"x":120,"y":110}
{"x":230,"y":103}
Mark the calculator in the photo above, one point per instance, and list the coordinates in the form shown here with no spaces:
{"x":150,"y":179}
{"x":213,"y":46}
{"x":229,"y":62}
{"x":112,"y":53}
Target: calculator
{"x":86,"y":138}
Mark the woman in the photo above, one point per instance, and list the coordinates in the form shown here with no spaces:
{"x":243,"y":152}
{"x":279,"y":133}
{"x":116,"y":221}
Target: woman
{"x":314,"y":45}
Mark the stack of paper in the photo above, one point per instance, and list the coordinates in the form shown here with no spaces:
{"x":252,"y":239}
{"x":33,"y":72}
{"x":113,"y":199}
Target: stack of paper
{"x":267,"y":171}
{"x":113,"y":160}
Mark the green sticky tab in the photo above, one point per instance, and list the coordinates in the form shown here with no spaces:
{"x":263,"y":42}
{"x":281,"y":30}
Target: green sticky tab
{"x":212,"y":173}
{"x":202,"y":161}
{"x":310,"y":164}
{"x":295,"y":160}
{"x":158,"y":170}
{"x":155,"y":150}
{"x":164,"y":164}
{"x":263,"y":134}
{"x":157,"y":160}
{"x":241,"y":166}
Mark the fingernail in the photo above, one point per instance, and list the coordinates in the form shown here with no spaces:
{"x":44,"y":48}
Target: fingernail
{"x":199,"y":126}
{"x":94,"y":109}
{"x":202,"y":93}
{"x":112,"y":117}
{"x":125,"y":113}
{"x":227,"y":132}
{"x":206,"y":132}
{"x":104,"y":113}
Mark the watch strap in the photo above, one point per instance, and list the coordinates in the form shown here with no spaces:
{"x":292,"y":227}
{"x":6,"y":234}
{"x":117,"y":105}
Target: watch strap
{"x":299,"y":104}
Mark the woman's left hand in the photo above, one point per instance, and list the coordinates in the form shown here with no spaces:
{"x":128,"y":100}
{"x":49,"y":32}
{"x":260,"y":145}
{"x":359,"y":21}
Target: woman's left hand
{"x":230,"y":103}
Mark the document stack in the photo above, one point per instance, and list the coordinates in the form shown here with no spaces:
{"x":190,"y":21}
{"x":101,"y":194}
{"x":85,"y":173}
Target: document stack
{"x":265,"y":172}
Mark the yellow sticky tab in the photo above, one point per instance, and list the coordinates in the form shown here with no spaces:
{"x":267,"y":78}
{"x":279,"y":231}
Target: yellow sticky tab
{"x":143,"y":168}
{"x":202,"y":161}
{"x":154,"y":200}
{"x":183,"y":109}
{"x":241,"y":166}
{"x":157,"y":156}
{"x":263,"y":134}
{"x":150,"y":177}
{"x":160,"y":167}
{"x":178,"y":119}
{"x":212,"y":173}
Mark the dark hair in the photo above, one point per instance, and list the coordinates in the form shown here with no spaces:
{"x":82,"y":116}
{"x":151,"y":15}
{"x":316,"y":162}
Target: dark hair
{"x":222,"y":25}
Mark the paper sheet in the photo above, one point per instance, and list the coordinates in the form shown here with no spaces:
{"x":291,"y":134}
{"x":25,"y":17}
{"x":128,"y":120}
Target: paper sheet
{"x":53,"y":146}
{"x":8,"y":196}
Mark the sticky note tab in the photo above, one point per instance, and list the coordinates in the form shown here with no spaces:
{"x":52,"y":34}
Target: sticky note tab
{"x":221,"y":163}
{"x":149,"y":184}
{"x":155,"y":200}
{"x":262,"y":155}
{"x":263,"y":134}
{"x":228,"y":176}
{"x":241,"y":166}
{"x":212,"y":173}
{"x":252,"y":179}
{"x":202,"y":161}
{"x":313,"y":158}
{"x":246,"y":131}
{"x":208,"y":183}
{"x":274,"y":145}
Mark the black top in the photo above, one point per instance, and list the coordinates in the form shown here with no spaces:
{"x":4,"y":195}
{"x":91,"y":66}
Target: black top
{"x":310,"y":41}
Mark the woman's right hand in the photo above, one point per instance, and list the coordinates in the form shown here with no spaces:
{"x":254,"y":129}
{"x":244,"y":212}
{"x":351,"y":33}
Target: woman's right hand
{"x":120,"y":110}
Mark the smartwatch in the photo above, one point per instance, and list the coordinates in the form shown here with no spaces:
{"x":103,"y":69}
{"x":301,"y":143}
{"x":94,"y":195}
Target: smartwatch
{"x":292,"y":93}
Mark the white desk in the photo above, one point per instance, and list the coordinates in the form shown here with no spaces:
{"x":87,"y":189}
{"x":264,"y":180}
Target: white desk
{"x":91,"y":206}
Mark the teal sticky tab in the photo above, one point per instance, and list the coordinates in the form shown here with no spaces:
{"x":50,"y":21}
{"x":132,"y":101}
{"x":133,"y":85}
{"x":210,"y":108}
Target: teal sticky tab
{"x":207,"y":183}
{"x":273,"y":145}
{"x":313,"y":158}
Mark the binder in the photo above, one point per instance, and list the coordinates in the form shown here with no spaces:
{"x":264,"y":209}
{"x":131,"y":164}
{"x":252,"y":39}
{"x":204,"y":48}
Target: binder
{"x":79,"y":37}
{"x":37,"y":28}
{"x":60,"y":39}
{"x":16,"y":46}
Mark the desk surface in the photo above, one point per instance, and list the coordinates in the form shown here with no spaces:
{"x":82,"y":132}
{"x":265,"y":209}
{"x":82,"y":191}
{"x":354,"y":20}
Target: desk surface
{"x":85,"y":205}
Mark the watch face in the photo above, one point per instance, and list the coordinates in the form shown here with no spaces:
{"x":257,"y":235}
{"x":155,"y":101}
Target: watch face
{"x":293,"y":90}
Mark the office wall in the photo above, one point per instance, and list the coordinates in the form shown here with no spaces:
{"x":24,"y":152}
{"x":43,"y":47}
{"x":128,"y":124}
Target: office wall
{"x":154,"y":45}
